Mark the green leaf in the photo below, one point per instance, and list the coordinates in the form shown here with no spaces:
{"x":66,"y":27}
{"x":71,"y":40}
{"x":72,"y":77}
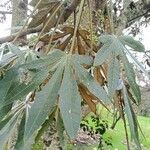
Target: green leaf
{"x":60,"y":129}
{"x":111,"y":45}
{"x":86,"y":78}
{"x":138,"y":64}
{"x":102,"y":55}
{"x":49,"y":60}
{"x":132,"y":120}
{"x":4,"y":110}
{"x":44,"y":103}
{"x":6,"y":131}
{"x":21,"y":128}
{"x":105,"y":39}
{"x":70,"y":102}
{"x":6,"y":82}
{"x":131,"y":78}
{"x":113,"y":76}
{"x":45,"y":126}
{"x":21,"y":90}
{"x":83,"y":59}
{"x":4,"y":121}
{"x":135,"y":45}
{"x":14,"y":49}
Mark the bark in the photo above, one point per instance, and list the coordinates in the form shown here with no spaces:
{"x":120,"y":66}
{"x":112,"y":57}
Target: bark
{"x":19,"y":13}
{"x":126,"y":19}
{"x":68,"y":11}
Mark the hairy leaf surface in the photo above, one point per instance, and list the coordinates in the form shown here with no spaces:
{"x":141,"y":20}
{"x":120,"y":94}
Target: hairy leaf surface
{"x":132,"y":120}
{"x":131,"y":78}
{"x":44,"y":103}
{"x":70,"y":102}
{"x":135,"y":45}
{"x":113,"y":76}
{"x":87,"y":79}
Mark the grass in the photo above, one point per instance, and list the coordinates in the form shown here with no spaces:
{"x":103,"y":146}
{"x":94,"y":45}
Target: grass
{"x":118,"y":137}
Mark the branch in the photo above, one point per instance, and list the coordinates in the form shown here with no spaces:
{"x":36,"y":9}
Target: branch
{"x":139,"y":16}
{"x":5,"y":12}
{"x":68,"y":11}
{"x":25,"y":32}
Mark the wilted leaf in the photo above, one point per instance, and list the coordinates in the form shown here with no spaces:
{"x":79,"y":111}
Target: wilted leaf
{"x":87,"y":98}
{"x":86,"y":79}
{"x":70,"y":102}
{"x":39,"y":17}
{"x":81,"y":48}
{"x":98,"y":76}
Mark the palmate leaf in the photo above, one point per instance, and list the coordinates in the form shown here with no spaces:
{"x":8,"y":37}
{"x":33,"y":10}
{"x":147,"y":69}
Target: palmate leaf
{"x":83,"y":59}
{"x":60,"y":129}
{"x":45,"y":125}
{"x":70,"y":102}
{"x":9,"y":79}
{"x":129,"y":41}
{"x":21,"y":128}
{"x":137,"y":63}
{"x":43,"y":105}
{"x":113,"y":76}
{"x":117,"y":45}
{"x":8,"y":129}
{"x":131,"y":78}
{"x":50,"y":60}
{"x":87,"y":79}
{"x":14,"y":49}
{"x":106,"y":39}
{"x":102,"y":55}
{"x":132,"y":120}
{"x":111,"y":45}
{"x":20,"y":90}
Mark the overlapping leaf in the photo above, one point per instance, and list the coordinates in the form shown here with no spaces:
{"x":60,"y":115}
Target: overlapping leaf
{"x":83,"y":59}
{"x":44,"y":103}
{"x":132,"y":120}
{"x":70,"y":102}
{"x":5,"y":84}
{"x":87,"y":79}
{"x":50,"y":60}
{"x":113,"y":76}
{"x":129,"y":41}
{"x":8,"y":129}
{"x":111,"y":45}
{"x":21,"y":128}
{"x":131,"y":78}
{"x":20,"y":90}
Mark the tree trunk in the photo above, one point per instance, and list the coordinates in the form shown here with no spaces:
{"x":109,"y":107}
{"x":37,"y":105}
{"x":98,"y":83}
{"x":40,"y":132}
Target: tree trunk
{"x":19,"y":15}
